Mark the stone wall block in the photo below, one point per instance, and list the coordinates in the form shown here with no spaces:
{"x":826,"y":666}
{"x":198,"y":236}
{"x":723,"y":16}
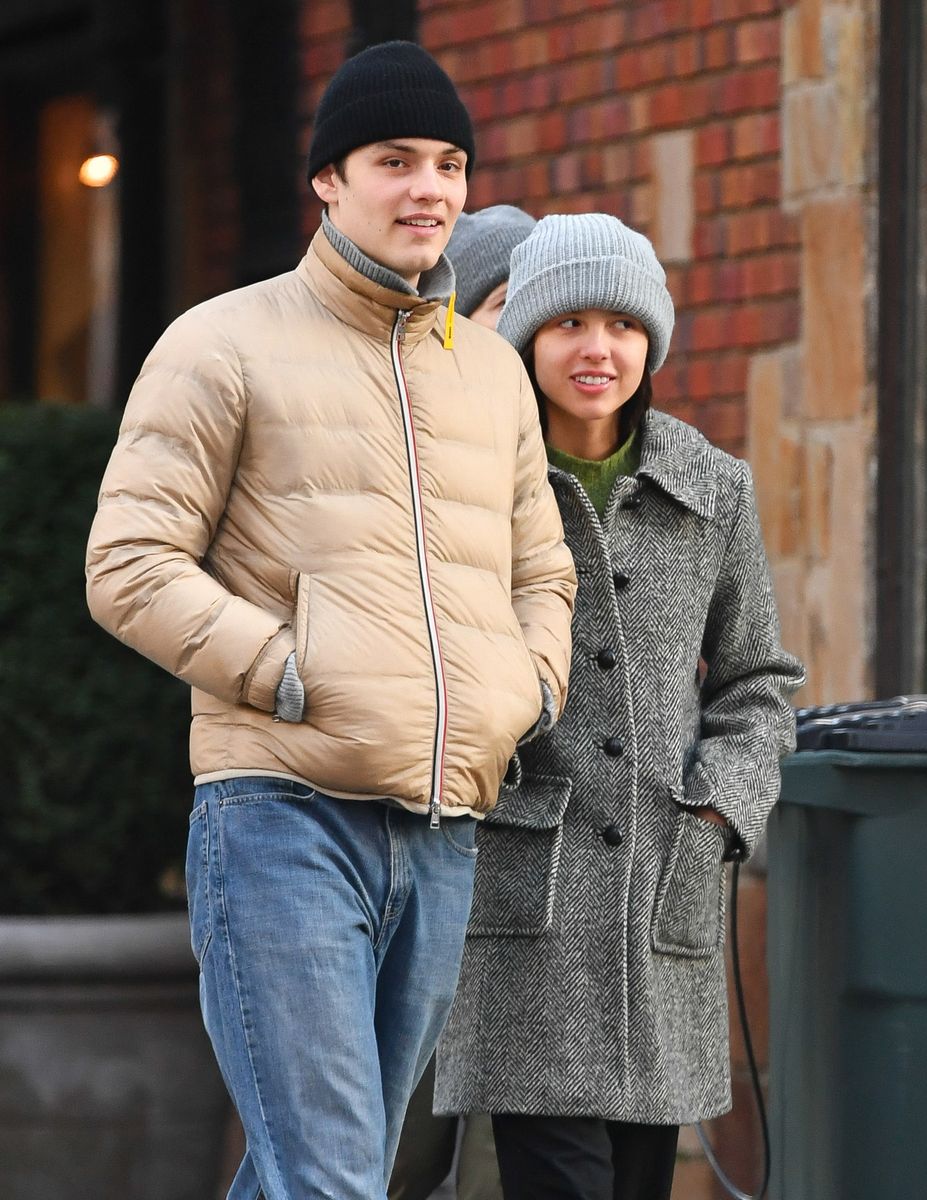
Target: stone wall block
{"x":789,"y":587}
{"x":819,"y":486}
{"x":811,"y":143}
{"x":833,"y":287}
{"x":673,"y":194}
{"x":852,"y":92}
{"x":802,"y":56}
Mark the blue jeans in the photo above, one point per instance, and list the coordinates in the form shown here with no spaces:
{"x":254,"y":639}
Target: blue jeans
{"x":329,"y":935}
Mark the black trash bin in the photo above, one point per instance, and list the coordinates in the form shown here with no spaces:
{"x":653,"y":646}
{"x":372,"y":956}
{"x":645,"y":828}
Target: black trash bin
{"x":847,"y":951}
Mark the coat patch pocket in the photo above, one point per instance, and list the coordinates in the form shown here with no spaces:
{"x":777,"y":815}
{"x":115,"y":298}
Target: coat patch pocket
{"x":519,"y":854}
{"x":688,"y":914}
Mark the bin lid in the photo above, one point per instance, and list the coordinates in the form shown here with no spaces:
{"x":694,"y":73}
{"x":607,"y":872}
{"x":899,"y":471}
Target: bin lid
{"x":895,"y":726}
{"x":855,"y":783}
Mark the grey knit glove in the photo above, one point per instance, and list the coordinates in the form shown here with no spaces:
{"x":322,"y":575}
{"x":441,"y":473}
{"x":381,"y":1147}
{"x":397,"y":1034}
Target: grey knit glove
{"x":547,"y":719}
{"x":291,"y":695}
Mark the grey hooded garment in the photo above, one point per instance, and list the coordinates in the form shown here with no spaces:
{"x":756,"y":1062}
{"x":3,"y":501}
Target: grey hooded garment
{"x":593,"y":980}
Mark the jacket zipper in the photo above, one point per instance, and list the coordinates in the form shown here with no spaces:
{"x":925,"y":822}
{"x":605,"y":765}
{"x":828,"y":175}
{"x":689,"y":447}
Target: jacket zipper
{"x":415,"y":483}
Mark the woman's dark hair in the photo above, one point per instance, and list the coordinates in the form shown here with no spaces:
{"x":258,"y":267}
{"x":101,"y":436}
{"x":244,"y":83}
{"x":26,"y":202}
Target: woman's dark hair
{"x":629,"y":415}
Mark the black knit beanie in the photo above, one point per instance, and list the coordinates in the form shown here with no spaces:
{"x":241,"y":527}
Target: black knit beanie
{"x":394,"y":89}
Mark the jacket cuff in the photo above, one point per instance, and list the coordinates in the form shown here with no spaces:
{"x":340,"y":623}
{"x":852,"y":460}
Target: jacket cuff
{"x":547,"y":719}
{"x":260,"y":686}
{"x":291,"y":695}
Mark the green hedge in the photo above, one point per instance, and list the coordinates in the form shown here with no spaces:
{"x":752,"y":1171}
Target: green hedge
{"x":93,"y":738}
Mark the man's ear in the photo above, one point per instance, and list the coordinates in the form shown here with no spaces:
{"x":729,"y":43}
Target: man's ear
{"x":324,"y":184}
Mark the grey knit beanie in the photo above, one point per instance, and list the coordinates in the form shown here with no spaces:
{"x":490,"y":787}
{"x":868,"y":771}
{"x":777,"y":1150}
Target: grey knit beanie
{"x":480,"y":248}
{"x":591,"y":260}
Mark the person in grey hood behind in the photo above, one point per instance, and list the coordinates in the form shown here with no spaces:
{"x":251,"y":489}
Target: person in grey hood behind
{"x":479,"y":250}
{"x":590,"y":1018}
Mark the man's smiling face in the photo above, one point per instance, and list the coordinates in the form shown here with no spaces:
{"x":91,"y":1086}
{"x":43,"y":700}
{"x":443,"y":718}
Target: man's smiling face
{"x":397,"y":201}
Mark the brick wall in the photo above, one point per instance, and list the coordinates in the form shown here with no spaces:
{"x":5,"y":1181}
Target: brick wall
{"x":666,"y":114}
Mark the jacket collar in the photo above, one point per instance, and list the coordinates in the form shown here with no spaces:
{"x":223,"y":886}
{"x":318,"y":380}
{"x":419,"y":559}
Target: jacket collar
{"x":680,"y":461}
{"x":359,"y":301}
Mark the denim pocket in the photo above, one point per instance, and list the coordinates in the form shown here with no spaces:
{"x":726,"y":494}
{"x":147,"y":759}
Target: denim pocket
{"x":460,"y":834}
{"x":197,"y":878}
{"x":688,"y":914}
{"x":519,"y":857}
{"x":258,"y":789}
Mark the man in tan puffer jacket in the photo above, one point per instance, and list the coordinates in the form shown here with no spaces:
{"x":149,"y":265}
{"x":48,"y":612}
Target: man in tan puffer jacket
{"x":328,"y":511}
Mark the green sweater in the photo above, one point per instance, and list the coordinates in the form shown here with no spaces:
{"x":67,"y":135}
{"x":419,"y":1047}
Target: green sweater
{"x":598,"y":476}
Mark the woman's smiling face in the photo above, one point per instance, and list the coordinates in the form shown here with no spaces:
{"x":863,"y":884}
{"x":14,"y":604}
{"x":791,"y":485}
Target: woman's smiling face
{"x":588,"y":364}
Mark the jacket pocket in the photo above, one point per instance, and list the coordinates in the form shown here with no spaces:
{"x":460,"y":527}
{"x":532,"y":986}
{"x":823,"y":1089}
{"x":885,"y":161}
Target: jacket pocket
{"x":519,"y":855}
{"x":197,"y":880}
{"x":301,"y":622}
{"x":688,"y":914}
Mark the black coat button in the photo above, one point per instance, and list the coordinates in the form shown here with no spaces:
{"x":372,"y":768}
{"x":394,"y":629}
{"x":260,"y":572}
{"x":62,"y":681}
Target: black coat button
{"x":613,"y":747}
{"x":634,"y":500}
{"x":611,"y":835}
{"x":606,"y":658}
{"x":622,"y":579}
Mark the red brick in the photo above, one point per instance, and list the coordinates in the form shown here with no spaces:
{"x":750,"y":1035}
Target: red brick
{"x":677,"y":283}
{"x":716,"y":375}
{"x":559,"y":43}
{"x":580,"y":81}
{"x":326,"y":16}
{"x":712,"y":145}
{"x":654,"y":62}
{"x":322,"y":57}
{"x":759,"y":41}
{"x":553,"y":131}
{"x":493,"y":142}
{"x":600,"y":32}
{"x":724,"y":421}
{"x":772,"y":274}
{"x":718,"y":48}
{"x":566,"y":173}
{"x":617,"y":201}
{"x":737,"y":10}
{"x":482,"y":101}
{"x":742,"y":186}
{"x":647,"y":21}
{"x":541,"y":90}
{"x":529,"y":49}
{"x":706,"y":192}
{"x":628,"y":69}
{"x":537,"y":181}
{"x":709,"y":238}
{"x":747,"y":231}
{"x":701,"y":15}
{"x":701,"y":288}
{"x":686,"y":56}
{"x":746,"y":88}
{"x":435,"y":29}
{"x":522,"y":136}
{"x":680,"y":103}
{"x":756,"y":135}
{"x":710,"y":330}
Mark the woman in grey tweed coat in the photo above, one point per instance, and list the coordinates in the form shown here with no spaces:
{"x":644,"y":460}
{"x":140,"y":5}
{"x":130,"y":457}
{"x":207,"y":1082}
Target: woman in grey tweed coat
{"x":591,"y":1014}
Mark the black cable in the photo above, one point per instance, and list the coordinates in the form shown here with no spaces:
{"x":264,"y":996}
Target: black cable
{"x":726,"y":1183}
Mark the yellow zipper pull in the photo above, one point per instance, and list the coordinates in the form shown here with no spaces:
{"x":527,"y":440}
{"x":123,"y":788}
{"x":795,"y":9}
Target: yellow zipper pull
{"x":449,"y":323}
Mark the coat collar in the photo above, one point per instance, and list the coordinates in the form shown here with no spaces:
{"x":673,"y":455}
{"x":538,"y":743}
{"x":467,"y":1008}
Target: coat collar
{"x":680,"y":461}
{"x":361,"y":302}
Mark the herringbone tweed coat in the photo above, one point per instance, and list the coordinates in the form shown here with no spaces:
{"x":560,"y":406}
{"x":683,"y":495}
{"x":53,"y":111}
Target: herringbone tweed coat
{"x":593,"y":980}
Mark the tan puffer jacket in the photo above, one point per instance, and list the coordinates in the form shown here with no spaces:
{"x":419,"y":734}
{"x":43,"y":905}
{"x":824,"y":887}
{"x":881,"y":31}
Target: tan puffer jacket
{"x":302,"y":465}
